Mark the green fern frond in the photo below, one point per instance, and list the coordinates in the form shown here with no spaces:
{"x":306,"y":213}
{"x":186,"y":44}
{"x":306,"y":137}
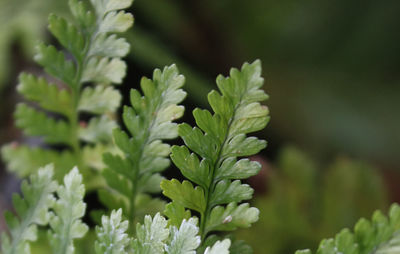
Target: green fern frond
{"x":83,"y":72}
{"x":219,"y":140}
{"x":65,"y":222}
{"x":32,"y":210}
{"x":380,"y":235}
{"x":149,"y":122}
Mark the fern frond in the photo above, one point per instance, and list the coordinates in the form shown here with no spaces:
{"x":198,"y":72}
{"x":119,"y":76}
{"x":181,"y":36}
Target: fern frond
{"x":219,"y":140}
{"x":380,"y":235}
{"x":65,"y":222}
{"x":84,"y":69}
{"x":149,"y":122}
{"x":32,"y":210}
{"x":112,"y":237}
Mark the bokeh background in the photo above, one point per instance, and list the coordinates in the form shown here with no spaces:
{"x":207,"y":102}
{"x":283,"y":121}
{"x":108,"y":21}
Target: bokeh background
{"x":331,"y":69}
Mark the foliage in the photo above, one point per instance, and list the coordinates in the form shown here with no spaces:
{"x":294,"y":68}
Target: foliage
{"x":149,"y":122}
{"x":307,"y":202}
{"x":218,"y":141}
{"x":81,"y":79}
{"x":380,"y":235}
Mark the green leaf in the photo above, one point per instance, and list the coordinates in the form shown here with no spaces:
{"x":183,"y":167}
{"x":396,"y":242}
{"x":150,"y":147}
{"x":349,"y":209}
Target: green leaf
{"x":80,"y":11}
{"x":190,"y":166}
{"x":149,"y":121}
{"x":55,"y":63}
{"x":33,"y":210}
{"x":176,"y":213}
{"x":99,"y":100}
{"x":184,"y":194}
{"x":231,"y":217}
{"x":184,"y":240}
{"x":36,"y":123}
{"x":68,"y":35}
{"x":151,"y":235}
{"x":111,"y":236}
{"x":65,"y":222}
{"x":48,"y":96}
{"x":227,"y":192}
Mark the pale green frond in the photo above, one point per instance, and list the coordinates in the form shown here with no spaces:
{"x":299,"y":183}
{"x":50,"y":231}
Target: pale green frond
{"x":151,"y":235}
{"x":66,"y":224}
{"x":185,"y":239}
{"x":111,"y":236}
{"x":32,"y":210}
{"x":104,"y":71}
{"x":99,"y":100}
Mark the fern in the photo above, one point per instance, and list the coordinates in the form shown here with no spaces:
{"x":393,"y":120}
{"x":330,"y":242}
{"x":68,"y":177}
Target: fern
{"x":68,"y":210}
{"x":33,"y":210}
{"x":83,"y":73}
{"x":219,"y":140}
{"x":149,"y":122}
{"x":380,"y":235}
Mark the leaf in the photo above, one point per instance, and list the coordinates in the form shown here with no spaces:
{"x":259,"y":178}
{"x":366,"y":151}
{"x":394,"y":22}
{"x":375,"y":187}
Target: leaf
{"x":111,"y":236}
{"x":231,"y":217}
{"x":48,"y":96}
{"x":104,"y":71}
{"x":116,"y":22}
{"x":151,"y":235}
{"x":36,"y":123}
{"x":184,"y":194}
{"x":68,"y":35}
{"x":109,"y":46}
{"x":55,"y":63}
{"x":227,"y":192}
{"x":176,"y":213}
{"x":99,"y":100}
{"x":184,"y":240}
{"x":33,"y":210}
{"x":65,"y":222}
{"x":98,"y":130}
{"x":233,"y":169}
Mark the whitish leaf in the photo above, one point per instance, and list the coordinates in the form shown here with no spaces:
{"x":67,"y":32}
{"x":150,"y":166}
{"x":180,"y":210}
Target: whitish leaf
{"x":99,"y":100}
{"x":151,"y":235}
{"x":32,"y":210}
{"x":185,"y":240}
{"x":111,"y":236}
{"x":109,"y":46}
{"x":220,"y":247}
{"x":98,"y":130}
{"x":104,"y":70}
{"x":65,"y":222}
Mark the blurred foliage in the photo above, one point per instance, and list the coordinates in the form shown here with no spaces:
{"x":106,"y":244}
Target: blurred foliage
{"x":306,"y":202}
{"x":22,"y":22}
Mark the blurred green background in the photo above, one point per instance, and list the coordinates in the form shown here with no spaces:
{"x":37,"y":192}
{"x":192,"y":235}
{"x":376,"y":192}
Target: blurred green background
{"x":331,"y":69}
